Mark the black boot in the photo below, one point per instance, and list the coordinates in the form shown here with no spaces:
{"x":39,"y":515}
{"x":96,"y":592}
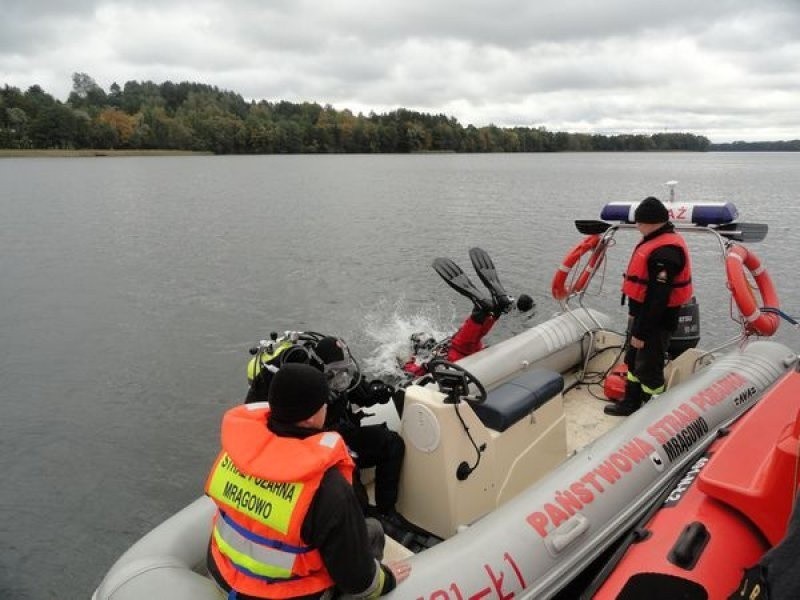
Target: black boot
{"x":630,"y":403}
{"x":622,"y":409}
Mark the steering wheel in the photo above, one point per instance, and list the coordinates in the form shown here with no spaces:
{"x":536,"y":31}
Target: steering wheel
{"x":455,"y":380}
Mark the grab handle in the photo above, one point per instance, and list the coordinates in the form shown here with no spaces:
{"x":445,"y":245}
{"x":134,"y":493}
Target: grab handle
{"x":566,"y":533}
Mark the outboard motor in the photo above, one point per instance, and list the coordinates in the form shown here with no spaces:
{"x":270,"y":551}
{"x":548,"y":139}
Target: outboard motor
{"x":687,"y":335}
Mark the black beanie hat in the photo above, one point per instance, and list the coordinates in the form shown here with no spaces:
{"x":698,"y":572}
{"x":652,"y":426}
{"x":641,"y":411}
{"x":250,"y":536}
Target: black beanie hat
{"x":330,"y":350}
{"x":650,"y":211}
{"x":297,"y":391}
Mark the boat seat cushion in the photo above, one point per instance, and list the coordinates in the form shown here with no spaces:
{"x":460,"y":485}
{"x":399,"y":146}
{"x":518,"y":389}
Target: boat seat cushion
{"x":508,"y":403}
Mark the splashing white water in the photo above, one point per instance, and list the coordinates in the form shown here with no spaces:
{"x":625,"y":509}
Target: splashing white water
{"x":389,"y":330}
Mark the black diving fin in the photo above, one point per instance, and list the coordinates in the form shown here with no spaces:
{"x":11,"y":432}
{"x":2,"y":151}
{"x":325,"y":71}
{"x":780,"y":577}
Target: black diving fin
{"x":484,"y":267}
{"x":455,"y":277}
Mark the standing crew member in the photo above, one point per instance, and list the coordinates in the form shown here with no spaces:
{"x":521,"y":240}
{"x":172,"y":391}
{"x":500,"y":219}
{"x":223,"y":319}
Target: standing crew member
{"x":288,"y":523}
{"x":657,"y":282}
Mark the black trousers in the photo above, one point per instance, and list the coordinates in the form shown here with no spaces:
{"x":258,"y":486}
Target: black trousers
{"x":647,"y":363}
{"x":380,"y":447}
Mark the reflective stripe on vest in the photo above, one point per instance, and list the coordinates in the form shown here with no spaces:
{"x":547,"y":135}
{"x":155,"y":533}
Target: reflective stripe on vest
{"x":254,"y":554}
{"x":268,"y":502}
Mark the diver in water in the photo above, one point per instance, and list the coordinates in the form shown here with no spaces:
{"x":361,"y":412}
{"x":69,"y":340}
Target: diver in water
{"x":468,"y":339}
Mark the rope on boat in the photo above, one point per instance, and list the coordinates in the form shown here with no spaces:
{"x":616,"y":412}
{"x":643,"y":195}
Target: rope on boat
{"x":781,"y":314}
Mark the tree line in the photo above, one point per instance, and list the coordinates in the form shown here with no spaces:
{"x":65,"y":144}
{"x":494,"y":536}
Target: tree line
{"x":779,"y":146}
{"x":200,"y":117}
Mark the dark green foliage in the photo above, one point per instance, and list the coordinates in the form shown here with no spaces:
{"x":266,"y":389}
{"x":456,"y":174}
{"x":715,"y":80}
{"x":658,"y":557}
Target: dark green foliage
{"x":195,"y":116}
{"x":86,"y":93}
{"x":783,"y":146}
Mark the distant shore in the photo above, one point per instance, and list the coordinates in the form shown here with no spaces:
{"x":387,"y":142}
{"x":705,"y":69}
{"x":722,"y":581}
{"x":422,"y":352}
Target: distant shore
{"x":97,"y":153}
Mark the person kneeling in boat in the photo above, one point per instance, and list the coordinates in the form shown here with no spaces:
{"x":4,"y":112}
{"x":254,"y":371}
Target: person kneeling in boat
{"x":372,"y":445}
{"x":288,"y":523}
{"x":657,"y":282}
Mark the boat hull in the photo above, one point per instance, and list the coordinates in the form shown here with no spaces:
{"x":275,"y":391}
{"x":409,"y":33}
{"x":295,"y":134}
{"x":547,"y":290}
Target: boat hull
{"x":532,"y":546}
{"x":725,"y":513}
{"x":168,"y":562}
{"x":536,"y":543}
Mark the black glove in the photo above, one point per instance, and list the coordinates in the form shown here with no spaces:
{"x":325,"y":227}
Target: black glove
{"x":380,"y":392}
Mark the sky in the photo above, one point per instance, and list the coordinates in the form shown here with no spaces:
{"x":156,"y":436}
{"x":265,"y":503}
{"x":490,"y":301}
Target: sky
{"x":725,"y":69}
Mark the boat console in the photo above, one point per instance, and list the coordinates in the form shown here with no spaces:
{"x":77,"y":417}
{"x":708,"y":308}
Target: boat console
{"x":465,"y":458}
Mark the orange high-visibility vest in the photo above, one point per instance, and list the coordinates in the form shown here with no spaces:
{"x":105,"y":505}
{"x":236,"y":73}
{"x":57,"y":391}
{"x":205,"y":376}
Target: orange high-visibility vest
{"x":263,"y":485}
{"x":634,"y":285}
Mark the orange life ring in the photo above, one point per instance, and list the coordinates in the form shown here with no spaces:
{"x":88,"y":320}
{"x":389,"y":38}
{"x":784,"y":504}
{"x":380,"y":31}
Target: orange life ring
{"x":559,"y":285}
{"x":736,"y":259}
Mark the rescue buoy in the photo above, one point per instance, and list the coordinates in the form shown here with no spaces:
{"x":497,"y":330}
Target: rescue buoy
{"x":559,"y":285}
{"x":736,"y":259}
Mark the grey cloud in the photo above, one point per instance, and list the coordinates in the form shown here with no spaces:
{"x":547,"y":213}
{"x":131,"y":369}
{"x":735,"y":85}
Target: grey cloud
{"x":31,"y":26}
{"x":520,"y":23}
{"x":631,"y":64}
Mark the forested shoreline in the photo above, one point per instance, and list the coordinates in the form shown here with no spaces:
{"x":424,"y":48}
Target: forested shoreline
{"x":197,"y":117}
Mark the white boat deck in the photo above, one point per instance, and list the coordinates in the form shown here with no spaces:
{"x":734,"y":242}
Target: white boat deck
{"x":584,"y":402}
{"x":586,"y":420}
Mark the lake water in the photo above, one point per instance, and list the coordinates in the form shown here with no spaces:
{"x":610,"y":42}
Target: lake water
{"x":131,"y":289}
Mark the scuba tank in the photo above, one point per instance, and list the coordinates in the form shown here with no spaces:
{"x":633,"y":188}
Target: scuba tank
{"x":273,"y":353}
{"x":291,"y":347}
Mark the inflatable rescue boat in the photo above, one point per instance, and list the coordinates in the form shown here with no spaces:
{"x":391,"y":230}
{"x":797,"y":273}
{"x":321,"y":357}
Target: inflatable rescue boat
{"x":727,"y":510}
{"x":514,"y":478}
